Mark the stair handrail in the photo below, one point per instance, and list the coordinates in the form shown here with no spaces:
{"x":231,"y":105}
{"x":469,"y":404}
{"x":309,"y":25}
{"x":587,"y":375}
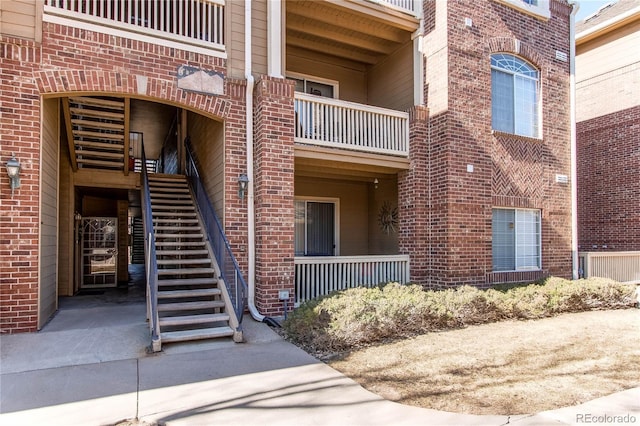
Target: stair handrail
{"x":151,"y":265}
{"x":229,"y":269}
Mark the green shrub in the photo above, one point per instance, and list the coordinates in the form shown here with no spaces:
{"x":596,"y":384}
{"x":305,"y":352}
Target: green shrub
{"x":362,"y":316}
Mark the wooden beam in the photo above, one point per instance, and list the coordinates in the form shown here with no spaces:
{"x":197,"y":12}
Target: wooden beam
{"x":99,"y":145}
{"x":330,"y":32}
{"x":106,"y":179}
{"x":97,"y":125}
{"x":100,"y":135}
{"x":100,"y":163}
{"x":379,"y":13}
{"x":348,"y":161}
{"x":345,"y":20}
{"x":127,"y":113}
{"x":97,"y":102}
{"x":69,"y":128}
{"x":332,"y":50}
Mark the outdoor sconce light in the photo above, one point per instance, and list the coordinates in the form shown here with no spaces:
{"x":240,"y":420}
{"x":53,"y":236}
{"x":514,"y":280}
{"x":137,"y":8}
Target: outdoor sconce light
{"x":375,"y":183}
{"x":13,"y":170}
{"x":243,"y":181}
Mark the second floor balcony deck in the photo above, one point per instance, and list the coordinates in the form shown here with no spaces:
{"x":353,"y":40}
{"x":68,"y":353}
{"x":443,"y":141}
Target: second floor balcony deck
{"x":334,"y":123}
{"x":194,"y":23}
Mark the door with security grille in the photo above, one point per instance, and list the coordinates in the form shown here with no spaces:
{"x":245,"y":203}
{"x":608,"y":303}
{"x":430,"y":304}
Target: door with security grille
{"x":99,"y":242}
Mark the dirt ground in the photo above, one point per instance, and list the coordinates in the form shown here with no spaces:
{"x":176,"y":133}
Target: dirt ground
{"x":508,"y":368}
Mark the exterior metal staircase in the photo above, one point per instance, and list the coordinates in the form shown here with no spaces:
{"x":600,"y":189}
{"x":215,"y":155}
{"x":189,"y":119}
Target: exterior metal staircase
{"x":192,"y":303}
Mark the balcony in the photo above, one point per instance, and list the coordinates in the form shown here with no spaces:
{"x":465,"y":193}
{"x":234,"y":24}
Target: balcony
{"x":196,"y":25}
{"x":334,"y":123}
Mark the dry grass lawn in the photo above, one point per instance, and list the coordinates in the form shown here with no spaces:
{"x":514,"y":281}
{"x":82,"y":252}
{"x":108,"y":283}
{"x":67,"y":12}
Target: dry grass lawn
{"x":511,"y":367}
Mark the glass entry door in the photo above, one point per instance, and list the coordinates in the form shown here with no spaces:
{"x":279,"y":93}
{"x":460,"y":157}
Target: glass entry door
{"x":99,"y":242}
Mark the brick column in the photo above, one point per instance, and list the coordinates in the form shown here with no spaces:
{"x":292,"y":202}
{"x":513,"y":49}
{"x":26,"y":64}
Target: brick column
{"x":274,"y":196}
{"x":19,"y":213}
{"x":413,"y":198}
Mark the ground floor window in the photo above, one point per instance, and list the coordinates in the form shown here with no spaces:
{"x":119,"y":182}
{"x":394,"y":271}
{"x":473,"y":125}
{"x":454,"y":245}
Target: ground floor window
{"x":516,"y":239}
{"x":315,"y":227}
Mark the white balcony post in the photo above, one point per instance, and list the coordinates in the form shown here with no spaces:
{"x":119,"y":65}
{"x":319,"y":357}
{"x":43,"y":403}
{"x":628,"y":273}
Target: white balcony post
{"x":274,"y":38}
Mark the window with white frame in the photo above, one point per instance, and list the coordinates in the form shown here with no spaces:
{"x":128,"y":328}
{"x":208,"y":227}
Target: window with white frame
{"x":537,"y":8}
{"x":515,"y":96}
{"x":316,"y":227}
{"x":315,"y":86}
{"x":516,"y":242}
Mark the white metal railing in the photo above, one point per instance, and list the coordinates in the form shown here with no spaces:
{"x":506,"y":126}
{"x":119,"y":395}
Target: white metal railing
{"x":403,"y":5}
{"x":622,"y":266}
{"x":199,"y":22}
{"x":319,"y":276}
{"x":348,"y":125}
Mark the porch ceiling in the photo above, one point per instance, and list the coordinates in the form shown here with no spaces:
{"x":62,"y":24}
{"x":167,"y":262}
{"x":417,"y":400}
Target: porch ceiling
{"x":327,"y":163}
{"x":358,"y":30}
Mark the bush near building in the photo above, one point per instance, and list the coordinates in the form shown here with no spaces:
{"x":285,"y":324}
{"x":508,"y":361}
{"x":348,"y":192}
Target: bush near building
{"x":364,"y":316}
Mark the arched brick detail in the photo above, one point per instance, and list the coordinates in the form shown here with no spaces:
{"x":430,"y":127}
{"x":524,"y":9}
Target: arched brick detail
{"x":97,"y":81}
{"x":515,"y":46}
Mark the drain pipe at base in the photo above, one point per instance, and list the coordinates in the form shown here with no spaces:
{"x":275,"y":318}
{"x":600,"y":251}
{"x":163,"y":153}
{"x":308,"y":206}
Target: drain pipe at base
{"x":574,"y":167}
{"x":251,"y":225}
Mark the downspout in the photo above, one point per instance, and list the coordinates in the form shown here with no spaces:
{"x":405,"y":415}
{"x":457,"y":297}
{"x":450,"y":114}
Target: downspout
{"x":251,"y":225}
{"x":574,"y":167}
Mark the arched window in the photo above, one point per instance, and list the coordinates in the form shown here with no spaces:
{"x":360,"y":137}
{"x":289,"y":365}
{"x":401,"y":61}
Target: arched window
{"x":514,"y":96}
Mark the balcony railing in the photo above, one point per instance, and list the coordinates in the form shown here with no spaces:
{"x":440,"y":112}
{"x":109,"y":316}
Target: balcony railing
{"x":339,"y":124}
{"x":195,"y":22}
{"x":403,"y":5}
{"x":622,"y":266}
{"x":319,"y":276}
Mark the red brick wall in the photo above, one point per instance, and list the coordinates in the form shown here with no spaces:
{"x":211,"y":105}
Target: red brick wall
{"x":73,"y":60}
{"x":274,"y":195}
{"x":609,"y":182}
{"x":19,"y":213}
{"x":507,"y":170}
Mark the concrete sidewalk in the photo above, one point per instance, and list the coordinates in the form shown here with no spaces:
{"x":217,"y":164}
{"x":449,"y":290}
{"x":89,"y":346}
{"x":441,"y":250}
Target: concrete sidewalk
{"x":74,"y":373}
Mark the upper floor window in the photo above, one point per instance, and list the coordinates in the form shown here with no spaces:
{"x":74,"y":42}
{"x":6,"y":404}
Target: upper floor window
{"x":514,"y":96}
{"x":536,"y":8}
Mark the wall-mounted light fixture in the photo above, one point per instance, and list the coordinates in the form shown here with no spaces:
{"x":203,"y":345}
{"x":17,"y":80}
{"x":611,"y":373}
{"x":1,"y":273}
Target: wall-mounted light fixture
{"x":375,"y":183}
{"x":243,"y":182}
{"x":13,"y":170}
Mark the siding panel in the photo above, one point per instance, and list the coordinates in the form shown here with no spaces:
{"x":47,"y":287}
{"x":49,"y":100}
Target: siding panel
{"x":18,"y":18}
{"x":208,"y":143}
{"x":48,"y":300}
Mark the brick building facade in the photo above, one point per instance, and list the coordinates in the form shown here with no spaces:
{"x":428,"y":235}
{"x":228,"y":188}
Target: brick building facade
{"x":608,"y":129}
{"x":430,"y":204}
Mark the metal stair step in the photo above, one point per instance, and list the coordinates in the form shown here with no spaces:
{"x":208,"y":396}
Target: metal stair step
{"x":179,"y":243}
{"x":184,"y":261}
{"x":180,"y":195}
{"x":186,"y":281}
{"x":170,"y":220}
{"x":156,"y":189}
{"x":172,"y":214}
{"x":190,"y":306}
{"x":198,"y":334}
{"x":171,"y":207}
{"x":177,"y":228}
{"x":173,"y":201}
{"x":186,"y":271}
{"x":162,"y":235}
{"x":193,"y":319}
{"x":181,"y":252}
{"x":176,"y":294}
